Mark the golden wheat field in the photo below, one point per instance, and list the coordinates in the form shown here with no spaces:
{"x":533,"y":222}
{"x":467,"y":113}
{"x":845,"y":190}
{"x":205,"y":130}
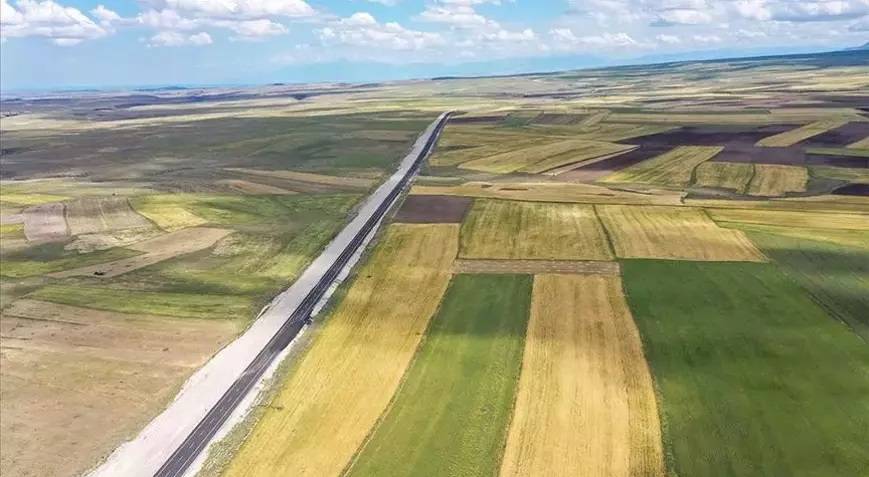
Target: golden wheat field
{"x":345,"y":380}
{"x":514,"y":160}
{"x":805,"y":219}
{"x":496,"y":229}
{"x":789,"y":138}
{"x":587,"y":151}
{"x":723,"y":175}
{"x":167,"y":212}
{"x":554,"y":192}
{"x":676,"y":233}
{"x":586,"y":403}
{"x":772,"y":180}
{"x":671,"y":169}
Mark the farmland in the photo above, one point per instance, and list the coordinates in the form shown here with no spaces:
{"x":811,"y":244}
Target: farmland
{"x":673,"y":168}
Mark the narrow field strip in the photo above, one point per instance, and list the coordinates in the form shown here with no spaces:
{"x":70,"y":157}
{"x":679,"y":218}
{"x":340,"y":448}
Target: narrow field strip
{"x":671,"y":169}
{"x":755,"y":378}
{"x":554,"y":192}
{"x":542,"y":157}
{"x":450,"y":416}
{"x":343,"y":383}
{"x":789,"y":138}
{"x":772,"y":180}
{"x":354,"y":182}
{"x":676,"y":233}
{"x":45,"y":223}
{"x":592,"y":150}
{"x":92,"y":215}
{"x":787,"y":218}
{"x":497,"y":229}
{"x":586,"y":404}
{"x":167,"y":212}
{"x":581,"y":267}
{"x":724,"y":175}
{"x":861,"y":144}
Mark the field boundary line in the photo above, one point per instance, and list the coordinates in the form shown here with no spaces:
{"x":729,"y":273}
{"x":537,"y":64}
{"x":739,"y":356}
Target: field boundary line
{"x":606,"y":234}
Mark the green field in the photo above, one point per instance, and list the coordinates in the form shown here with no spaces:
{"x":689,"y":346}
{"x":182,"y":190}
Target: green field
{"x":755,"y":378}
{"x":52,"y":257}
{"x":450,"y":416}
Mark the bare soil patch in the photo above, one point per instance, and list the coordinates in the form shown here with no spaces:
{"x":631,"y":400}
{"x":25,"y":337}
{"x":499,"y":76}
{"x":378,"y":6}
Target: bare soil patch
{"x":786,"y":156}
{"x":92,"y":215}
{"x":45,"y":223}
{"x":578,"y":267}
{"x":839,"y":137}
{"x":861,"y":190}
{"x":710,"y":136}
{"x":433,"y":209}
{"x":599,"y":169}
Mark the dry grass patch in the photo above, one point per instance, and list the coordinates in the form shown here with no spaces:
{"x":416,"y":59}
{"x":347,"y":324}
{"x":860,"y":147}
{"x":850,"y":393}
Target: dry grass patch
{"x":93,"y":215}
{"x":855,"y":175}
{"x":861,"y":144}
{"x":586,"y":404}
{"x":618,"y":132}
{"x":352,"y":182}
{"x":514,"y":160}
{"x":45,"y":223}
{"x":254,"y":188}
{"x":589,"y":150}
{"x":558,"y":192}
{"x":772,"y":180}
{"x":723,"y":175}
{"x":671,"y":169}
{"x":167,"y":212}
{"x":77,"y":382}
{"x":497,"y":229}
{"x":805,"y":219}
{"x":677,"y":233}
{"x":531,"y":267}
{"x":789,"y":138}
{"x":343,"y":383}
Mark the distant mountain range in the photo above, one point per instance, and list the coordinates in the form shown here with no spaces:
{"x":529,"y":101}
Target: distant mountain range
{"x":864,"y":47}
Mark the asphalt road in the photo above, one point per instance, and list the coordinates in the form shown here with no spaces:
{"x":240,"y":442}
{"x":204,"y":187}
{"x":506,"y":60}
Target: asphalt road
{"x":202,"y":434}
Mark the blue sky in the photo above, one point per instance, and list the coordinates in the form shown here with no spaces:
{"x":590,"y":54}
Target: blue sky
{"x":54,"y":43}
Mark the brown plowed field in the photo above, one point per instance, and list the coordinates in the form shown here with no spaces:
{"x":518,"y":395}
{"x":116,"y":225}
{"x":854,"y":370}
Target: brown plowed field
{"x":839,"y":137}
{"x":861,"y":190}
{"x":45,"y":223}
{"x":433,"y":209}
{"x":556,"y":118}
{"x":573,"y":267}
{"x":785,"y":156}
{"x":476,"y":119}
{"x":710,"y":136}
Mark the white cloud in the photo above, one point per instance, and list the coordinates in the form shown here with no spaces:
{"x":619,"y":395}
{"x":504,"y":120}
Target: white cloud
{"x":668,"y":39}
{"x":252,"y":29}
{"x":234,"y":9}
{"x":819,"y":10}
{"x":388,"y":3}
{"x":65,"y":26}
{"x":706,"y":39}
{"x":362,"y":30}
{"x":105,"y":16}
{"x":461,"y":16}
{"x":173,"y":38}
{"x":566,"y":38}
{"x":681,"y":16}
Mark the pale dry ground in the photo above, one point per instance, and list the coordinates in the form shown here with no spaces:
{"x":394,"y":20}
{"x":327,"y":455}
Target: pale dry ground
{"x":807,"y":219}
{"x":789,"y":138}
{"x":559,"y":192}
{"x":466,"y":147}
{"x":45,"y":223}
{"x":586,"y":404}
{"x":167,"y":213}
{"x":671,"y":169}
{"x":345,"y":380}
{"x":92,"y":215}
{"x":77,"y":382}
{"x":355,"y":182}
{"x":155,"y":250}
{"x":773,"y":180}
{"x":861,"y":144}
{"x":581,"y":267}
{"x":497,"y":229}
{"x":676,"y":233}
{"x":723,"y":175}
{"x":833,"y":204}
{"x":527,"y":158}
{"x":254,"y":188}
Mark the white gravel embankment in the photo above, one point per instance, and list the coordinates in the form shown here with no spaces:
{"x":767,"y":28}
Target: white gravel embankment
{"x":143,"y":456}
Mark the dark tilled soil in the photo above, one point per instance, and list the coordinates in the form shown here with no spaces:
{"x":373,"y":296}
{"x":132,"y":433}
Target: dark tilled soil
{"x":786,"y":156}
{"x":433,"y":209}
{"x":555,"y":118}
{"x":839,"y":137}
{"x":476,"y":119}
{"x":861,"y":190}
{"x":710,"y":135}
{"x":597,"y":170}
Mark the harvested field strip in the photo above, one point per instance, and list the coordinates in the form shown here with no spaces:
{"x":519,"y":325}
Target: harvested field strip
{"x":834,"y":274}
{"x":772,"y":181}
{"x":594,"y":170}
{"x":698,"y":118}
{"x":31,"y":199}
{"x":672,"y":169}
{"x":676,"y":233}
{"x":450,"y":416}
{"x":167,"y":212}
{"x":851,"y":151}
{"x":724,"y":175}
{"x":852,"y":239}
{"x":353,"y":182}
{"x":497,"y":229}
{"x":253,"y":188}
{"x":592,"y":122}
{"x":861,"y":144}
{"x":840,"y":173}
{"x":45,"y":223}
{"x":755,"y":378}
{"x":553,"y":192}
{"x":156,"y":250}
{"x":12,"y":231}
{"x":579,"y":155}
{"x":586,"y":404}
{"x":525,"y":158}
{"x":532,"y":267}
{"x":558,"y":171}
{"x":181,"y":305}
{"x":93,"y":215}
{"x":832,"y":204}
{"x":343,"y":383}
{"x":807,"y":219}
{"x":794,"y":136}
{"x":616,"y":132}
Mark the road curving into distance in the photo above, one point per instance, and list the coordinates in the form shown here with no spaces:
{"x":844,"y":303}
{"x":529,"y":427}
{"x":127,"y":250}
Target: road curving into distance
{"x":174,"y":440}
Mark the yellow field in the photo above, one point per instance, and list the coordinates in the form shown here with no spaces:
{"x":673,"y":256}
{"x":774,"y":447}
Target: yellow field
{"x":770,"y":180}
{"x":308,"y":177}
{"x":93,"y":215}
{"x":835,"y":204}
{"x":470,"y":147}
{"x":806,"y":219}
{"x":496,"y":229}
{"x":861,"y":144}
{"x":31,"y":199}
{"x":614,"y":132}
{"x":789,"y":138}
{"x":254,"y":188}
{"x":591,"y":123}
{"x":723,"y":175}
{"x":555,"y":153}
{"x":554,"y":192}
{"x":671,"y":169}
{"x":166,"y":212}
{"x":677,"y":233}
{"x":585,"y":405}
{"x":344,"y":382}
